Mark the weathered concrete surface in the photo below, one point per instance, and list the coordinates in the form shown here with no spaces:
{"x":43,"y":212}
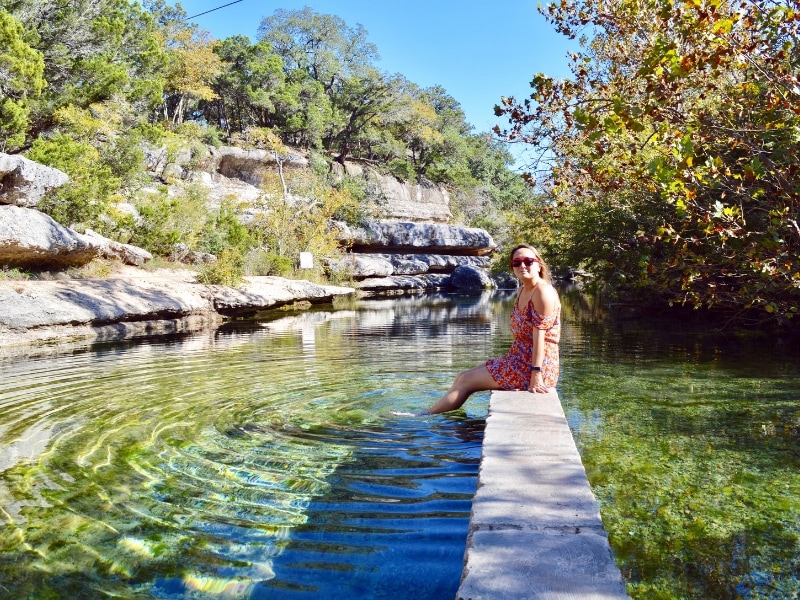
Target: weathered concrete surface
{"x":535,"y":530}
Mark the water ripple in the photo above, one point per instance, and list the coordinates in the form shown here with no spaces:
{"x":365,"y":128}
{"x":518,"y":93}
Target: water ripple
{"x":200,"y":465}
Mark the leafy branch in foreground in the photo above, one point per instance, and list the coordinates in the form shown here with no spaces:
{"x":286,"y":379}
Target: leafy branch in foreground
{"x":674,"y":149}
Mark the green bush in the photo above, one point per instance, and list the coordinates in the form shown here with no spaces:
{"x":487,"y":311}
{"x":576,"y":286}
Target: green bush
{"x":258,"y":262}
{"x":92,"y":182}
{"x":166,"y":221}
{"x":223,"y":230}
{"x":228,"y":269}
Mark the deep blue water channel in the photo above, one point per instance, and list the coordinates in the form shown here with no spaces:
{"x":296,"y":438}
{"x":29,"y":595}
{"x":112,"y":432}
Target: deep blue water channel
{"x":262,"y":460}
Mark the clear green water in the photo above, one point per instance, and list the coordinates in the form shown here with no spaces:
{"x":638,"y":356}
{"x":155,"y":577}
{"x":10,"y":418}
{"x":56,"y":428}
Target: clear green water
{"x":691,"y":441}
{"x":262,"y":460}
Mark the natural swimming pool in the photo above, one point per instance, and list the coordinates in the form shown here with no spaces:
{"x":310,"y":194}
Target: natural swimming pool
{"x":262,"y":461}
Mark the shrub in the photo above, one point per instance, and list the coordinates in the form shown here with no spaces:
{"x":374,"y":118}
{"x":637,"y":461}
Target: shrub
{"x":166,"y":221}
{"x":258,"y":262}
{"x":228,"y":269}
{"x":223,"y":229}
{"x":92,"y":183}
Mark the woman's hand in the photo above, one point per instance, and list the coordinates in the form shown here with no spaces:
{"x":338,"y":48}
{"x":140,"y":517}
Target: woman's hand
{"x":537,"y":383}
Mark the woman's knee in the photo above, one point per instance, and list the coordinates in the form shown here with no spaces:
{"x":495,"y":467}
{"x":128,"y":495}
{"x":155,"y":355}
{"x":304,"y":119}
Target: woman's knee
{"x":473,"y":380}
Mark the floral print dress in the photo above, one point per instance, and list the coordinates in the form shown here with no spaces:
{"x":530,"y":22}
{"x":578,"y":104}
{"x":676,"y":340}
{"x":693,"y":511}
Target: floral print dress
{"x":513,"y":371}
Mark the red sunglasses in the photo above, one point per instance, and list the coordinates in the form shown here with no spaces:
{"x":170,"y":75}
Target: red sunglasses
{"x":516,"y":262}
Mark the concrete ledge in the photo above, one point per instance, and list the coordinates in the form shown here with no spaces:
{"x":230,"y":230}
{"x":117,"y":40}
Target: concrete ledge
{"x":535,"y":531}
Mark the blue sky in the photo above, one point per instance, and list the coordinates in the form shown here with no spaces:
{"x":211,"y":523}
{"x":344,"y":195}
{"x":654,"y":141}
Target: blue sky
{"x":477,"y":50}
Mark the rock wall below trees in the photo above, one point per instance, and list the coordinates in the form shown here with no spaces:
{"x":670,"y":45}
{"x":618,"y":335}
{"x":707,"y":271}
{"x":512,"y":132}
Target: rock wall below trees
{"x":410,"y":246}
{"x":420,"y":202}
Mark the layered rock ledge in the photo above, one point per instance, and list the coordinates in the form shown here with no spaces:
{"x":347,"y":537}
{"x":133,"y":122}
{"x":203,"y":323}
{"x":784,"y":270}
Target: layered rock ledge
{"x":136,"y":303}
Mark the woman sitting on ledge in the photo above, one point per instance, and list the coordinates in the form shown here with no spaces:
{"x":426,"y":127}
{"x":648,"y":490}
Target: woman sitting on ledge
{"x":532,"y":362}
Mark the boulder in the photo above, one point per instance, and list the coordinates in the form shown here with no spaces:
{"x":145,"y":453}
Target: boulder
{"x":24,"y":182}
{"x":400,"y":237}
{"x":470,"y":278}
{"x":505,"y":281}
{"x":31,"y":239}
{"x":128,"y":254}
{"x":182,"y":253}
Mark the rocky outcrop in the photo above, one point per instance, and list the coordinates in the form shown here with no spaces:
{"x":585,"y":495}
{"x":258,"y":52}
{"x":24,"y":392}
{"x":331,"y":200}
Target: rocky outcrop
{"x":220,"y":188}
{"x":30,"y":239}
{"x":138,"y":303}
{"x":422,"y":201}
{"x":412,"y":238}
{"x":251,"y":165}
{"x":24,"y":182}
{"x":412,"y":256}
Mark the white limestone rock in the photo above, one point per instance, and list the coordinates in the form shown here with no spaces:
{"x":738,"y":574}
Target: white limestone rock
{"x":24,"y":182}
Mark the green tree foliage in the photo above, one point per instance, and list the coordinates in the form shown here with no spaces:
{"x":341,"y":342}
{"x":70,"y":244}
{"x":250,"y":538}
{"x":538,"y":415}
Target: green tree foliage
{"x":166,"y":220}
{"x":248,"y":88}
{"x":673,"y":148}
{"x":321,"y":54}
{"x":93,"y":50}
{"x":322,"y":46}
{"x":100,"y":155}
{"x":21,"y":80}
{"x":192,"y":66}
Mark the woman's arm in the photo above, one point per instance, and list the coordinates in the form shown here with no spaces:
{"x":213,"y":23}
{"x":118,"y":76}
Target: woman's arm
{"x":544,"y":302}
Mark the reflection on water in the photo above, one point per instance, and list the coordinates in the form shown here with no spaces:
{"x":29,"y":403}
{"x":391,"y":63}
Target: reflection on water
{"x":258,"y":461}
{"x":691,"y":440}
{"x":262,"y":460}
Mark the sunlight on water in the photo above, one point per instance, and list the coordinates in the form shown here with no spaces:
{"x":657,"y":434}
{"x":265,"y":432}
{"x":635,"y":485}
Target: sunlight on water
{"x":262,"y":460}
{"x":186,"y":467}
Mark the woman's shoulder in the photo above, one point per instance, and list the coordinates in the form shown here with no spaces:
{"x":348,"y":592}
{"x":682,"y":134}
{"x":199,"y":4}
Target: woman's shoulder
{"x":548,"y":300}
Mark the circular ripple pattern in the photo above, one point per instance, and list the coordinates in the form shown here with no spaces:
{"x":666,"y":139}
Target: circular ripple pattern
{"x":259,"y":461}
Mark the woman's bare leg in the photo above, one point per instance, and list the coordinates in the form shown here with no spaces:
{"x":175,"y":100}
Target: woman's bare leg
{"x":477,"y":379}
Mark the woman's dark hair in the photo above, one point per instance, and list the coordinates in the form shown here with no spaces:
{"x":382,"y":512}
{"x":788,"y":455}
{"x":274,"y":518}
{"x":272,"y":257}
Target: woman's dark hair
{"x":544,"y":270}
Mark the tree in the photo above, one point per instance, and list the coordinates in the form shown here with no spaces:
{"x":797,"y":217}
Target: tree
{"x":357,"y":108}
{"x":93,"y":50}
{"x":248,"y":87}
{"x":323,"y":46}
{"x":320,"y":52}
{"x":21,"y":80}
{"x":192,"y":66}
{"x":673,"y":148}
